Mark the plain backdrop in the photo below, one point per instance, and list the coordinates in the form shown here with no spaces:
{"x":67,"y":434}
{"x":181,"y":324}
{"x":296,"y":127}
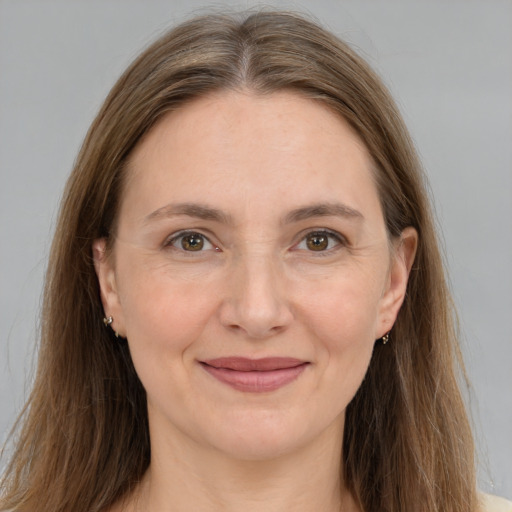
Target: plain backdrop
{"x":449,"y":66}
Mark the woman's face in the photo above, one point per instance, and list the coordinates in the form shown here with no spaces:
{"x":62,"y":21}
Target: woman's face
{"x":251,"y":273}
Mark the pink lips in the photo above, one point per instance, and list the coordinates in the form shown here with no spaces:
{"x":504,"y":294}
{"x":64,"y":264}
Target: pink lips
{"x":255,"y":375}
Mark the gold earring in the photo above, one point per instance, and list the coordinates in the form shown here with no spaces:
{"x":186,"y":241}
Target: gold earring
{"x":385,"y":338}
{"x":108,"y":321}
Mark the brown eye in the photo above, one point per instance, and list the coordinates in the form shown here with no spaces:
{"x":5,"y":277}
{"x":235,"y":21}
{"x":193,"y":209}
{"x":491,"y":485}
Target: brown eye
{"x":192,"y":242}
{"x":317,"y":241}
{"x":321,"y":241}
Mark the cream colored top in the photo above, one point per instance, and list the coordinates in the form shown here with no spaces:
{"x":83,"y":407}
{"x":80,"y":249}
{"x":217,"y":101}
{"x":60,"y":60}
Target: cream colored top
{"x":495,"y":504}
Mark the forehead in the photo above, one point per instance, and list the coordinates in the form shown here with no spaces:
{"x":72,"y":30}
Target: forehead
{"x":252,"y":145}
{"x":246,"y":114}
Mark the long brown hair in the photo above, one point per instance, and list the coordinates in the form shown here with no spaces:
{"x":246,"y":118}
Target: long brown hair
{"x":84,"y":437}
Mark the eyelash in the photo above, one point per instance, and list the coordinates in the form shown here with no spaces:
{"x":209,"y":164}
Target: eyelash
{"x":171,"y":242}
{"x":327,"y":235}
{"x":339,"y":240}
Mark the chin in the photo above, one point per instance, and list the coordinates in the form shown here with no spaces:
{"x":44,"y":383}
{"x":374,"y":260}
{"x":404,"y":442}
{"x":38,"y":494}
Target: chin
{"x":268,"y":438}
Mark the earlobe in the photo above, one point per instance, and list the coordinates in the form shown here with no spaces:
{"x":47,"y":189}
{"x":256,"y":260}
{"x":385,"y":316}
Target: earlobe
{"x":401,"y":265}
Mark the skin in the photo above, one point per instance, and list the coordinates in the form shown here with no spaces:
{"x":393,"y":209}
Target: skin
{"x":257,"y":288}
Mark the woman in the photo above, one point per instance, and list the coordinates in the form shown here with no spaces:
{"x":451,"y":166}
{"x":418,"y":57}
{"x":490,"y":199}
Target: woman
{"x":247,"y":216}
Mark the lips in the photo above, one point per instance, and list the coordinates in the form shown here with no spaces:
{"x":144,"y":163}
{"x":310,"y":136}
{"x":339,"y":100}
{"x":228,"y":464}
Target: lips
{"x":255,"y":375}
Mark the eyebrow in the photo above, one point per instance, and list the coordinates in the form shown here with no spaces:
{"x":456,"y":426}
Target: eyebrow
{"x":323,"y":210}
{"x":207,"y":213}
{"x":190,"y":209}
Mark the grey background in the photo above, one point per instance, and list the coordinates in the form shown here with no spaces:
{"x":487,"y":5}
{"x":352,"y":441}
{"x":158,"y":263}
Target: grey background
{"x":448,"y":64}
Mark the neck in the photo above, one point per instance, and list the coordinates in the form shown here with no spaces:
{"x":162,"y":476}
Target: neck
{"x":184,"y":477}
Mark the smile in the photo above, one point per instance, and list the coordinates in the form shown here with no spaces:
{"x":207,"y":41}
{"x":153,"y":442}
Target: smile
{"x":255,"y":375}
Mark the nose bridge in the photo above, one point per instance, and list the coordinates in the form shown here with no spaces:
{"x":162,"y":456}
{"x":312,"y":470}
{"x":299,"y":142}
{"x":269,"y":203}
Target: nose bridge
{"x":259,"y":277}
{"x":256,"y":302}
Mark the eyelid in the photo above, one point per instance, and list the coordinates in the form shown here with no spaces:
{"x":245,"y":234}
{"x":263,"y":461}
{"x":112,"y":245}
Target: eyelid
{"x":171,"y":239}
{"x":340,"y":239}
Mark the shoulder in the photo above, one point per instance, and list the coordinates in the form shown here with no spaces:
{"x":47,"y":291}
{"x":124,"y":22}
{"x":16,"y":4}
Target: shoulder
{"x":495,"y":504}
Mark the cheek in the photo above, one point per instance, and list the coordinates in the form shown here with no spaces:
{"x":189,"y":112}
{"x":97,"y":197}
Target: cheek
{"x":165,"y":317}
{"x":343,"y":309}
{"x":164,"y":313}
{"x":343,"y":318}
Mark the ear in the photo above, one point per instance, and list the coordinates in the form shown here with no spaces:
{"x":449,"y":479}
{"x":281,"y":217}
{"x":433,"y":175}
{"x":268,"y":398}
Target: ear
{"x":396,"y":286}
{"x":105,"y":272}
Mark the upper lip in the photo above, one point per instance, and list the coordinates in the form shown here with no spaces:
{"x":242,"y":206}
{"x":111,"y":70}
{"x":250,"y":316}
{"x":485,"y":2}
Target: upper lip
{"x":244,"y":364}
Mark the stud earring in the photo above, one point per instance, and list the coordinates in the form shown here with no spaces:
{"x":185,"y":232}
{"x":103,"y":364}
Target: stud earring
{"x":107,"y":320}
{"x":385,"y":338}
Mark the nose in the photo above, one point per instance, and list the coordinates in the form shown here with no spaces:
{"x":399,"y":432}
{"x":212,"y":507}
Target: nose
{"x":256,"y":302}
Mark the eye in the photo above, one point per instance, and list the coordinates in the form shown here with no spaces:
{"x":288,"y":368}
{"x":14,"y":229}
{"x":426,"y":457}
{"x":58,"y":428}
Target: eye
{"x":320,"y":241}
{"x":191,"y":241}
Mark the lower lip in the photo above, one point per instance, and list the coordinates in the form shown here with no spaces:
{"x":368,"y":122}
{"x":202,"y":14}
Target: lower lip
{"x":256,"y":381}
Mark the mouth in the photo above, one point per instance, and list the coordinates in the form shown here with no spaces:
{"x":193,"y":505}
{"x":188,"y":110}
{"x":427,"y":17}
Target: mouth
{"x":255,"y":375}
